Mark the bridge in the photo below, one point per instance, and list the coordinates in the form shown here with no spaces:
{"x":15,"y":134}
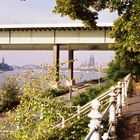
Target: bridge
{"x":44,"y":36}
{"x":56,"y":37}
{"x":26,"y":67}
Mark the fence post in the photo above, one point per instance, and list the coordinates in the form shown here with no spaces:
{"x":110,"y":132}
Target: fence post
{"x":127,"y":80}
{"x":125,"y":88}
{"x":123,"y":94}
{"x":95,"y":122}
{"x":63,"y":122}
{"x":78,"y":111}
{"x":112,"y":114}
{"x":119,"y":100}
{"x":105,"y":136}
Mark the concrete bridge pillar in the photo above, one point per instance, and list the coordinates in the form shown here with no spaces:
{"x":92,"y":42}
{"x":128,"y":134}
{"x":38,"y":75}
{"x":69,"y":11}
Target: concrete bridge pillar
{"x":70,"y":66}
{"x":56,"y":54}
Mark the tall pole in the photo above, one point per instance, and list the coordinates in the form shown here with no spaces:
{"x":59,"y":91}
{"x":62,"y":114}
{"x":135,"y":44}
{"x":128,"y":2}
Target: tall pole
{"x":99,"y":74}
{"x":56,"y":50}
{"x":70,"y":65}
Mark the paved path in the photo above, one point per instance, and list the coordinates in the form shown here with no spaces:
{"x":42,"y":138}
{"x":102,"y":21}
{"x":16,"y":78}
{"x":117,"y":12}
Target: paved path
{"x":79,"y":89}
{"x":132,"y":116}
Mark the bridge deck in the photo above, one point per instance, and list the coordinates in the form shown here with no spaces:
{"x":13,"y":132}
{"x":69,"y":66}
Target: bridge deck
{"x":131,"y":112}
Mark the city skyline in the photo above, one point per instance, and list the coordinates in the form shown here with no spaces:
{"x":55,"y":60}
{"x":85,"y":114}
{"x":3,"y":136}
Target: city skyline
{"x":47,"y":57}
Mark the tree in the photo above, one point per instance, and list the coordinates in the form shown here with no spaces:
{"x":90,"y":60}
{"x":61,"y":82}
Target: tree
{"x":118,"y":69}
{"x":38,"y":112}
{"x":126,"y":29}
{"x":87,"y":10}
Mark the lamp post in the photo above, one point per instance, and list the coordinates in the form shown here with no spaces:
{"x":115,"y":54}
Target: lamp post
{"x":69,"y":84}
{"x":99,"y":74}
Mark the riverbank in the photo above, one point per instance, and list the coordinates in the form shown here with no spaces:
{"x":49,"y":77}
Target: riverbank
{"x":80,"y":77}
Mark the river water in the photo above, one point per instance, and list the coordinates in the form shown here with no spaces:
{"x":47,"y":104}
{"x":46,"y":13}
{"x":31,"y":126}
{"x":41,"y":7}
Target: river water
{"x":79,"y":76}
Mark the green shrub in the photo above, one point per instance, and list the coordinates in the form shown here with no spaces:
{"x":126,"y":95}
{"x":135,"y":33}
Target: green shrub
{"x":90,"y":93}
{"x":75,"y":131}
{"x":118,"y":69}
{"x":58,"y":92}
{"x":130,"y":91}
{"x":36,"y":117}
{"x":9,"y":95}
{"x":38,"y":112}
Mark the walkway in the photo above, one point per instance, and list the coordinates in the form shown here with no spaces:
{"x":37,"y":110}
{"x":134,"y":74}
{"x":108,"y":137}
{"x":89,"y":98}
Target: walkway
{"x":131,"y":123}
{"x":79,"y":88}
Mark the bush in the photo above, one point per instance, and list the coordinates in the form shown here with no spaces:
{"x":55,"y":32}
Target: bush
{"x":37,"y":116}
{"x":38,"y":112}
{"x":117,"y":70}
{"x":9,"y":95}
{"x":58,"y":92}
{"x":75,"y":131}
{"x":130,"y":89}
{"x":90,"y":93}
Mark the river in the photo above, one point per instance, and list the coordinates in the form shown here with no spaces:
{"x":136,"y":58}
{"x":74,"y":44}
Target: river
{"x":79,"y":76}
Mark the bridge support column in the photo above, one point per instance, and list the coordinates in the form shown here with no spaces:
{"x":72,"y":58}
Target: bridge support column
{"x":70,"y":66}
{"x":56,"y":51}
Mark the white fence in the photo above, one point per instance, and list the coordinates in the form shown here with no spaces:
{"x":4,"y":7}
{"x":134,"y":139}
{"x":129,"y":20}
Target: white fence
{"x":117,"y":99}
{"x":111,"y":102}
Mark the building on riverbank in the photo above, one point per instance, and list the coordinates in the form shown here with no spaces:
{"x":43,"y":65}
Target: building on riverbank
{"x":4,"y":66}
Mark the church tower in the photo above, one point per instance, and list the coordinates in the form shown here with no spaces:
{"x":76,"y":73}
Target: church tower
{"x":91,"y":62}
{"x":3,"y":60}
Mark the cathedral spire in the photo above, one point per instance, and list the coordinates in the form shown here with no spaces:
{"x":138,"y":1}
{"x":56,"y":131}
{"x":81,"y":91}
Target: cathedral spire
{"x":91,"y":61}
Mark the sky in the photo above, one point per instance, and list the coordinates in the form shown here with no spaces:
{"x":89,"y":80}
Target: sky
{"x":40,"y":12}
{"x":39,"y":57}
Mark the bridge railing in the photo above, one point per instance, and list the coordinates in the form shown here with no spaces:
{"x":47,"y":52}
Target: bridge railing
{"x":117,"y":99}
{"x":118,"y":92}
{"x":83,"y":111}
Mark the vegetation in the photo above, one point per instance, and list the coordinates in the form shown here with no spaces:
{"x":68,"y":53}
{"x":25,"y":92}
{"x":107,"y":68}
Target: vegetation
{"x":90,"y":94}
{"x":117,"y":69}
{"x":130,"y":91}
{"x":76,"y":130}
{"x":58,"y":92}
{"x":37,"y":116}
{"x":9,"y":96}
{"x":38,"y":113}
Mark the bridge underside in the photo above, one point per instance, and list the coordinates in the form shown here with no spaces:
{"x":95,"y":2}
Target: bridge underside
{"x":95,"y":46}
